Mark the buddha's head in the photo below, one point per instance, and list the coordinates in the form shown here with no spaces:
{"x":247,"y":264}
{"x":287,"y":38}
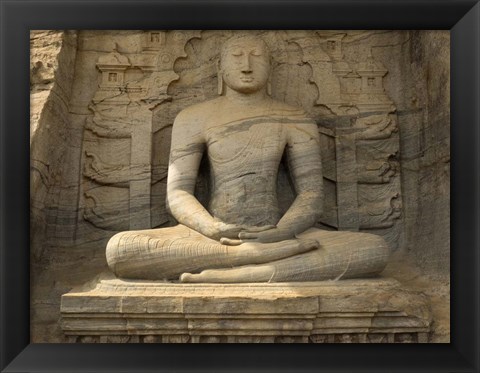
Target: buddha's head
{"x":244,"y":64}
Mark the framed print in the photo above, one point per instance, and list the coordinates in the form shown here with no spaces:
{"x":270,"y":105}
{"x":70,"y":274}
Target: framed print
{"x":205,"y":176}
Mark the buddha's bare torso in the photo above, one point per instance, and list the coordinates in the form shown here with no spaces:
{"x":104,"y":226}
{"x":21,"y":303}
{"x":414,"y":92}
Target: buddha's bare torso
{"x":244,"y":153}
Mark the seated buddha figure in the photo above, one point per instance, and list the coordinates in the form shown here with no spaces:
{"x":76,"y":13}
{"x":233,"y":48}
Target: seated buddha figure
{"x":242,"y":236}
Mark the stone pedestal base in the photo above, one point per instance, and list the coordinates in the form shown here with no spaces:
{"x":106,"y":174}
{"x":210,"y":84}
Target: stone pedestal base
{"x":350,"y":311}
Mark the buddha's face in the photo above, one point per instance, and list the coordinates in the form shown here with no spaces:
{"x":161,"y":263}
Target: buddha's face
{"x":245,"y":65}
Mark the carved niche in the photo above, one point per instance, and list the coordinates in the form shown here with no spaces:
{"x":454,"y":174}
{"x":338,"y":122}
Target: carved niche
{"x":127,"y":135}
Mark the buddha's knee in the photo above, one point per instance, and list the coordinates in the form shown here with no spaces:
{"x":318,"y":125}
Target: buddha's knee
{"x":117,"y":250}
{"x":379,"y":245}
{"x":376,"y":249}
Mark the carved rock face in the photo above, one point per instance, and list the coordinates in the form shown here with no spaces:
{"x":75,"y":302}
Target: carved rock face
{"x":245,"y":65}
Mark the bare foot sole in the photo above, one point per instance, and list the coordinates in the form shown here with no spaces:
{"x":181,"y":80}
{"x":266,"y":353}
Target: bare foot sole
{"x":262,"y":253}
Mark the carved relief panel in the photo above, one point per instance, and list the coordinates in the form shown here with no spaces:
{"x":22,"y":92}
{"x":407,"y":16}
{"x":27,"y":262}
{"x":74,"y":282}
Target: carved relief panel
{"x":362,"y":185}
{"x":117,"y":147}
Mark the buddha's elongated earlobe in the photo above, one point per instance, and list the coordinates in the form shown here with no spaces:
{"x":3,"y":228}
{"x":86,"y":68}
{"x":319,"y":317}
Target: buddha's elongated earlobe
{"x":220,"y":84}
{"x":219,"y":79}
{"x":269,"y":81}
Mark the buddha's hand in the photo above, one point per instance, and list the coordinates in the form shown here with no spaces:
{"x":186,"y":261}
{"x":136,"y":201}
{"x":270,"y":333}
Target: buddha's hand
{"x":266,"y":234}
{"x":222,"y":231}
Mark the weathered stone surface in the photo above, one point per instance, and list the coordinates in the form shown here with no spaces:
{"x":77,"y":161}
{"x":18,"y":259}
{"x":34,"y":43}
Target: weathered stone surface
{"x":424,"y":120}
{"x":409,"y":169}
{"x":350,"y":311}
{"x":52,"y":60}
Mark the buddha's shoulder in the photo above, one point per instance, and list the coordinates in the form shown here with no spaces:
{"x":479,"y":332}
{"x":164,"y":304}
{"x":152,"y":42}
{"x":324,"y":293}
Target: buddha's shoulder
{"x":198,"y":112}
{"x":285,"y":109}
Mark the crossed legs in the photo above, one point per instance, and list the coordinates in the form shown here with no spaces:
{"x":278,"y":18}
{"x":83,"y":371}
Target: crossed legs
{"x":340,"y":255}
{"x":170,"y":253}
{"x":164,"y":254}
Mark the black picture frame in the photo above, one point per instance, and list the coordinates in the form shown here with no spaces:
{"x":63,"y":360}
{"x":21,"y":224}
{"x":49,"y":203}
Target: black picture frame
{"x":17,"y":17}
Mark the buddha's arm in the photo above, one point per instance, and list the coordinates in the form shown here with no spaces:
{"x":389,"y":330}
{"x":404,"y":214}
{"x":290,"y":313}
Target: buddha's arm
{"x":303,"y":152}
{"x":186,"y":153}
{"x":305,"y":166}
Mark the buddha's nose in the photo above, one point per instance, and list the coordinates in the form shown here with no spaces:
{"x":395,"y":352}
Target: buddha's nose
{"x":246,"y":66}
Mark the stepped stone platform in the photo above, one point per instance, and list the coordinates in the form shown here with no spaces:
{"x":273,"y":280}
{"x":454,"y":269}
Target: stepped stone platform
{"x":377,"y":310}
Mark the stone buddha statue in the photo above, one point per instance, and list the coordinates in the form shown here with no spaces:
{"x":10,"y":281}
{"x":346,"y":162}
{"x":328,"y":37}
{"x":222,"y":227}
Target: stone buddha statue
{"x":242,"y":236}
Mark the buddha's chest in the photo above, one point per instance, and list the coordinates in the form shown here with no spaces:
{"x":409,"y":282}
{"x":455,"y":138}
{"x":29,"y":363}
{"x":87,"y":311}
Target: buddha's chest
{"x":246,"y":141}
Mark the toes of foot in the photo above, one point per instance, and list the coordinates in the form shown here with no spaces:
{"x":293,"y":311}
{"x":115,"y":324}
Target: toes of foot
{"x":186,"y":277}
